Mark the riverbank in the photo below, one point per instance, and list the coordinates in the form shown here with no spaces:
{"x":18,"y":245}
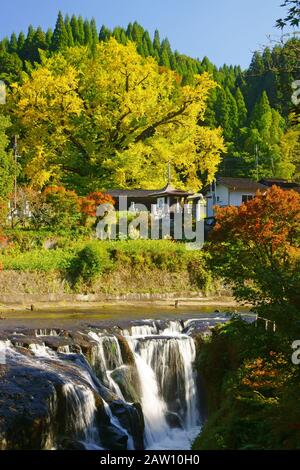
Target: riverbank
{"x":42,"y":303}
{"x":77,"y":314}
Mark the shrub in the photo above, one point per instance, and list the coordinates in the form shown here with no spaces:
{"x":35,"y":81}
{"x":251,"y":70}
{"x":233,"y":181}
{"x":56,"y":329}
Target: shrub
{"x":64,"y":206}
{"x":90,"y":203}
{"x":90,"y":262}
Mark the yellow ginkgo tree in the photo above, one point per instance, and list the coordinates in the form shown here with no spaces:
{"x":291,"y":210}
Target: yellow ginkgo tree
{"x":111,"y":118}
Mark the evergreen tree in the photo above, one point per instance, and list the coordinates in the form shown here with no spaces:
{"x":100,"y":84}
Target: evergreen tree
{"x":38,"y":42}
{"x":13,"y":44}
{"x":21,"y":43}
{"x":27,"y":50}
{"x":241,"y":107}
{"x":233,"y":123}
{"x":75,"y":30}
{"x":60,"y":35}
{"x":4,"y":45}
{"x":10,"y":67}
{"x":87,"y":33}
{"x":165,"y":53}
{"x":223,"y":112}
{"x":80,"y":23}
{"x":137,"y":33}
{"x":94,"y":31}
{"x":49,"y":35}
{"x":156,"y":41}
{"x":104,"y":34}
{"x":69,"y":31}
{"x":129,"y":31}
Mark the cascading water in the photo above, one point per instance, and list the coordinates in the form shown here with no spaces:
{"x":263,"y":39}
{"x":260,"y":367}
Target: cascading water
{"x":81,"y":411}
{"x":169,"y":393}
{"x":143,"y":376}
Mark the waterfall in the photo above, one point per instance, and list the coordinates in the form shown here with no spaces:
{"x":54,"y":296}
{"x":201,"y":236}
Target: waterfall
{"x":169,"y":393}
{"x":115,"y":387}
{"x":81,"y":411}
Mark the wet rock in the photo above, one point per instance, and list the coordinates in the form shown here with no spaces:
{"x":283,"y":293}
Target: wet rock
{"x":127,"y":354}
{"x":132,"y":419}
{"x":71,"y":444}
{"x":25,"y":341}
{"x":174,"y":420}
{"x":113,"y":438}
{"x":126,"y":377}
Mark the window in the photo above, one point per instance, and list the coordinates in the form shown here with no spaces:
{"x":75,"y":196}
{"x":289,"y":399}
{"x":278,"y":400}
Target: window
{"x":246,"y":198}
{"x":160,"y":202}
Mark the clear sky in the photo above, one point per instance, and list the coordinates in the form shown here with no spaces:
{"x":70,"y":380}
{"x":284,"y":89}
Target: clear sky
{"x":227,"y":31}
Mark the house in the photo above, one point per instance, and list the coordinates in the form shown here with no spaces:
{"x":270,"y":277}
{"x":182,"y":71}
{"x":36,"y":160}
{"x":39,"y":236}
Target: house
{"x":228,"y":191}
{"x":160,"y":203}
{"x":174,"y":212}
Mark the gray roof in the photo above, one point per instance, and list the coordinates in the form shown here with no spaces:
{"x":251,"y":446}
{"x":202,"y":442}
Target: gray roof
{"x":168,"y":190}
{"x":236,"y":184}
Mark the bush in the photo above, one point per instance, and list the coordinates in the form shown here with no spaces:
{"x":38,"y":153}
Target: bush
{"x":37,"y":260}
{"x":90,"y":262}
{"x":83,"y":260}
{"x":57,"y":208}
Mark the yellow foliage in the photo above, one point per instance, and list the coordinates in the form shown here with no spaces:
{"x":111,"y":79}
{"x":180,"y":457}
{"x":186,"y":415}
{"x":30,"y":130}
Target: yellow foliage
{"x":115,"y":118}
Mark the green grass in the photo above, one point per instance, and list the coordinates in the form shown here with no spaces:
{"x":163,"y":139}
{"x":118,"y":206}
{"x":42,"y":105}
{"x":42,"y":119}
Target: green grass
{"x":85,"y":260}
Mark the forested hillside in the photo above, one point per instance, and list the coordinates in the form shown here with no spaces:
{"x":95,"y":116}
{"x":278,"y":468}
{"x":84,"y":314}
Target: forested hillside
{"x":253,"y":107}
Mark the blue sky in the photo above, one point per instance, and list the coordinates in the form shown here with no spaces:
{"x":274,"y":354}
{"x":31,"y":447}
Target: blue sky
{"x":227,"y":31}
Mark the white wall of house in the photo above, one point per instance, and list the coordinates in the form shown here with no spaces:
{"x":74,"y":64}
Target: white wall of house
{"x":236,"y":197}
{"x":224,"y":197}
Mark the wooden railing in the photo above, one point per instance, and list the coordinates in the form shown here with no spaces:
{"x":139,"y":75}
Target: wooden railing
{"x":268,"y":323}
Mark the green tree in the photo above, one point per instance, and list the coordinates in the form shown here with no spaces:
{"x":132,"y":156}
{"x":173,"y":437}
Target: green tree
{"x":6,"y":161}
{"x":88,"y":38}
{"x":94,"y":31}
{"x":21,"y":43}
{"x":13,"y":44}
{"x":27,"y":50}
{"x":69,"y":31}
{"x":49,"y":34}
{"x":265,"y":133}
{"x":241,"y":108}
{"x":156,"y":41}
{"x":75,"y":30}
{"x":60,"y":36}
{"x":39,"y":41}
{"x":10,"y":67}
{"x":80,"y":23}
{"x":104,"y":33}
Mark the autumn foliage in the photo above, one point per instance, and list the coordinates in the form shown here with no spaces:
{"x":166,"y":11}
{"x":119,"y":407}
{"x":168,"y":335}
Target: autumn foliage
{"x":90,"y":203}
{"x":256,"y":248}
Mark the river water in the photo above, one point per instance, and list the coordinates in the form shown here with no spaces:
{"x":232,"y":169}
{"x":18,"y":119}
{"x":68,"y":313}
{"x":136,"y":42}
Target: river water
{"x":142,"y":372}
